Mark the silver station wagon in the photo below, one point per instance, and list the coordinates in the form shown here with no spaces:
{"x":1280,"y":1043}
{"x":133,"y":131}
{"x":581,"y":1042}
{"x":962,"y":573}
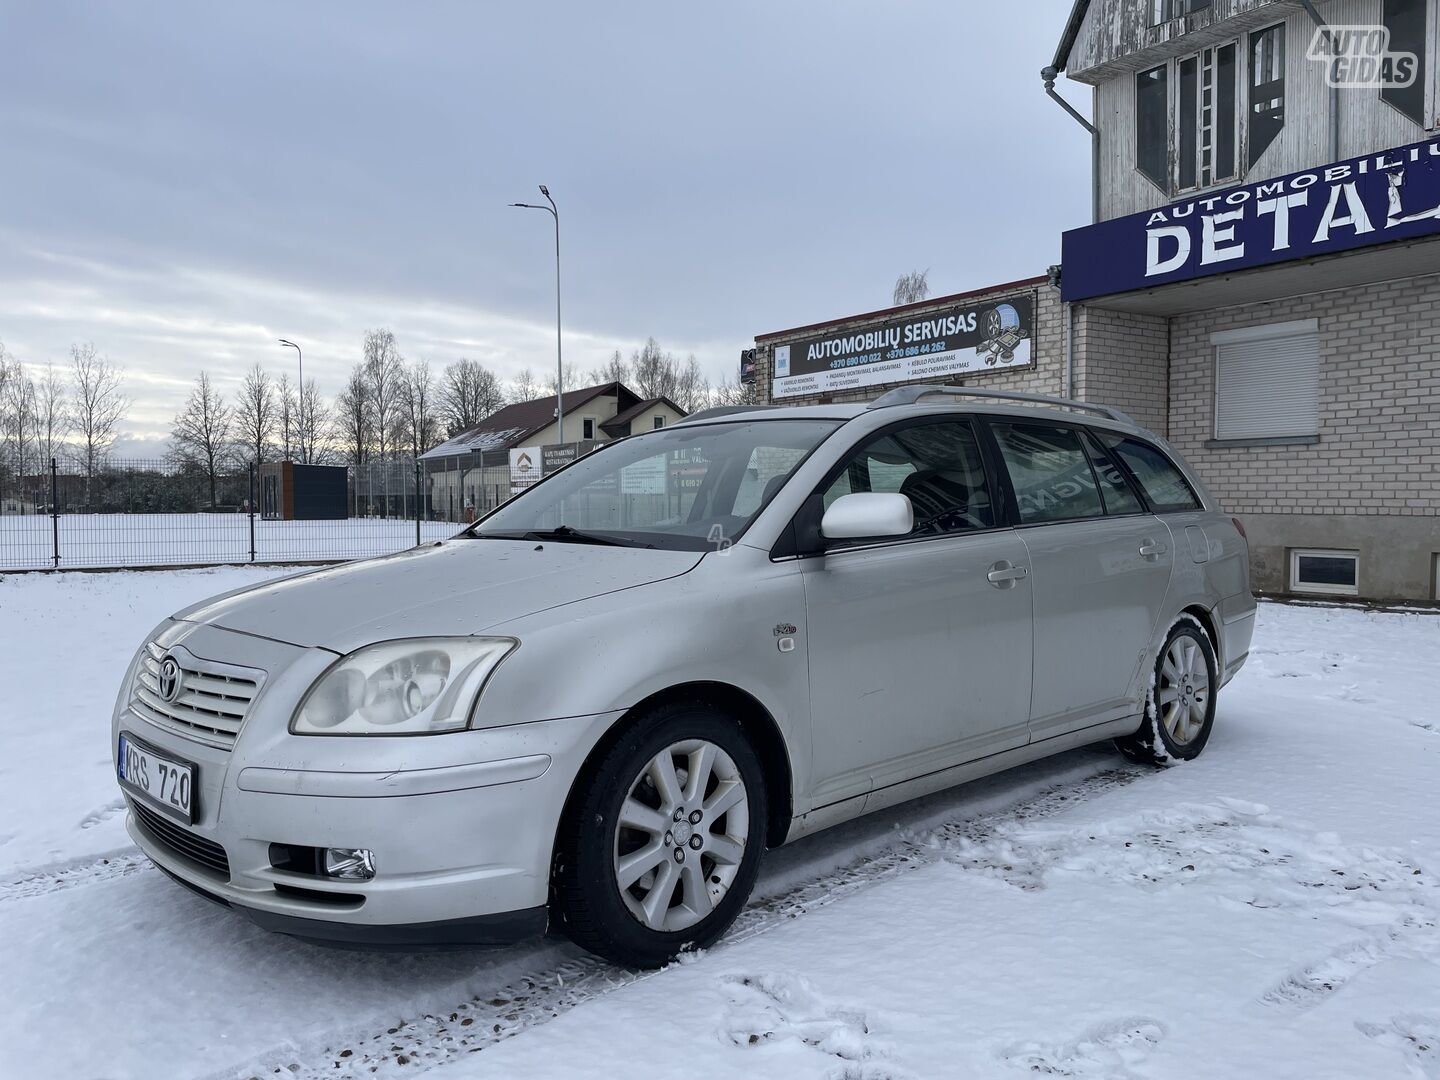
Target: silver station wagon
{"x":595,"y":709}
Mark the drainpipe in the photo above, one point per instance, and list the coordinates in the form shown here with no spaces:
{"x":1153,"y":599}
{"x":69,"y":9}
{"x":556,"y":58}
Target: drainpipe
{"x":1049,"y":75}
{"x":1320,"y":23}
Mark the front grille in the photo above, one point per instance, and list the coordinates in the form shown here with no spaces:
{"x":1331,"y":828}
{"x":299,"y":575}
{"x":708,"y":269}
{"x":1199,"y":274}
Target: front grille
{"x":181,"y":841}
{"x":211,"y":702}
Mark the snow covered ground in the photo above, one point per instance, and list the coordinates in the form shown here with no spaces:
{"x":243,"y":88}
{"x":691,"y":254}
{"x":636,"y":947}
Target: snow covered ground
{"x":119,"y":540}
{"x":1268,"y":910}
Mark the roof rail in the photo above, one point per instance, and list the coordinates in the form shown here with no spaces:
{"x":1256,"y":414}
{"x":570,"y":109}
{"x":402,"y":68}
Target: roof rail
{"x":722,"y":410}
{"x":909,"y":395}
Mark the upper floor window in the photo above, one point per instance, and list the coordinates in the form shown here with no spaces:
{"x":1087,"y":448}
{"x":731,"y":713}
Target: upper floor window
{"x":1152,"y":127}
{"x":1188,"y":112}
{"x":1165,"y":10}
{"x":1405,"y":19}
{"x":1205,"y":118}
{"x":658,"y":423}
{"x":1267,"y":89}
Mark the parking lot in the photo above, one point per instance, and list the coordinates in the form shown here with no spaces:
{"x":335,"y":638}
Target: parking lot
{"x":1270,"y":909}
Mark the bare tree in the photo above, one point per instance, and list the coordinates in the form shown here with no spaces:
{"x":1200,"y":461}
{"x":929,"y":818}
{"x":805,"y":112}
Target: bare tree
{"x":571,"y":380}
{"x":735,"y":393}
{"x":52,"y":415}
{"x":467,"y":394}
{"x":97,"y":407}
{"x":200,"y":433}
{"x":313,"y":432}
{"x":420,"y":426}
{"x":355,"y":418}
{"x":384,"y":374}
{"x":287,"y":416}
{"x":656,"y":373}
{"x":523,"y":386}
{"x":256,"y":413}
{"x":613,"y":370}
{"x":913,"y":287}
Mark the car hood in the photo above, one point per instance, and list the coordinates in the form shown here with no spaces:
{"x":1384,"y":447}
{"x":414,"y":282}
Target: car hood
{"x":456,"y":587}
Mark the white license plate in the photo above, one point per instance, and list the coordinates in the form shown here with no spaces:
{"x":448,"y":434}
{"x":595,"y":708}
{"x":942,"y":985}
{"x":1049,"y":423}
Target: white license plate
{"x":167,"y":783}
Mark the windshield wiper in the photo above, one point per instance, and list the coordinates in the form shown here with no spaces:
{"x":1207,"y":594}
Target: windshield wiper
{"x":566,"y":534}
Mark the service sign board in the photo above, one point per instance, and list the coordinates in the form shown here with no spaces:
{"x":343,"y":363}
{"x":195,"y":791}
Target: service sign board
{"x":526,"y":463}
{"x":972,"y":336}
{"x":1350,"y":204}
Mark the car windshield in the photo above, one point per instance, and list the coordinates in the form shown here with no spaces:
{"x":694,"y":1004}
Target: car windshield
{"x":686,"y":488}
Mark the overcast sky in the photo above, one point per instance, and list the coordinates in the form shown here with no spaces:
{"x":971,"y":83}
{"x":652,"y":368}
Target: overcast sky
{"x":182,"y":183}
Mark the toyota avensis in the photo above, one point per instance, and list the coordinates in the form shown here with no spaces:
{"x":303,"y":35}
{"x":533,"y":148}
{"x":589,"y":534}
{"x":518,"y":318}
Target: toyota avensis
{"x":598,"y":706}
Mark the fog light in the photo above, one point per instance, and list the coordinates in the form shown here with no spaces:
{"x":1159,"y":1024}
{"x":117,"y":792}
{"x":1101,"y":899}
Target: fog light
{"x":351,"y":864}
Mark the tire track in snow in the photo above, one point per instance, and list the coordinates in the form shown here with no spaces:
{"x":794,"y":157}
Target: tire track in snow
{"x":57,"y":879}
{"x":488,"y":1017}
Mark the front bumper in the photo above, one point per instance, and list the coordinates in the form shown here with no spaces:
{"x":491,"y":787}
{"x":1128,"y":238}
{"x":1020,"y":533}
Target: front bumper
{"x":461,"y":825}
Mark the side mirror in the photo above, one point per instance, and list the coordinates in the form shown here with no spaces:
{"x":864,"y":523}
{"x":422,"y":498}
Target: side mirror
{"x":866,"y":514}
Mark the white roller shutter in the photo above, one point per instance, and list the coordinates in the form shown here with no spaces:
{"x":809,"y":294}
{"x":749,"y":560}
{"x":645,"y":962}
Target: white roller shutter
{"x":1267,"y":381}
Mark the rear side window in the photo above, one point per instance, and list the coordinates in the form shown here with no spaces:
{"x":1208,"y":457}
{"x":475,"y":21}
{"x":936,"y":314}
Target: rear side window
{"x":1119,"y":497}
{"x":1049,"y":472}
{"x":1164,"y":484}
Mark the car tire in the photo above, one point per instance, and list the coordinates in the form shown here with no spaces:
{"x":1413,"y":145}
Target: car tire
{"x":653,"y":859}
{"x":1180,"y":707}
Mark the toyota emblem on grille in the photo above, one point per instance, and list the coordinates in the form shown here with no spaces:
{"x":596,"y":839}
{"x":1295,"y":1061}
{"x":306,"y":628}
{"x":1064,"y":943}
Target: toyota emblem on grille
{"x":169,"y":679}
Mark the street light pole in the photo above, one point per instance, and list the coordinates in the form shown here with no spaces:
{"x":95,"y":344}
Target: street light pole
{"x":554,"y":212}
{"x":301,"y":394}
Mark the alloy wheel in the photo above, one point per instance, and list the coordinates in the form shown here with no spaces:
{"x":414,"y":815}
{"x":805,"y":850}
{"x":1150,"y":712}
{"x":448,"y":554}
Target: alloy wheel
{"x":681,"y":836}
{"x":1183,"y":694}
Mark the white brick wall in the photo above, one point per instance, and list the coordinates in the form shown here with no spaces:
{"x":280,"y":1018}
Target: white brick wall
{"x":1379,"y":449}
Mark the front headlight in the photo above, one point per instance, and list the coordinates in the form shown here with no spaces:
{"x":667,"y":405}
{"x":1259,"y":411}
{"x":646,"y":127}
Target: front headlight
{"x":414,"y":687}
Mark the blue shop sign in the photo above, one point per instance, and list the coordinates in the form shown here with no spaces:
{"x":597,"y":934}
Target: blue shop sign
{"x":1366,"y":200}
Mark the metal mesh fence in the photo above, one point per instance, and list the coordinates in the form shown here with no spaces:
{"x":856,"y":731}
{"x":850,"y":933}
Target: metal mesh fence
{"x":135,"y":513}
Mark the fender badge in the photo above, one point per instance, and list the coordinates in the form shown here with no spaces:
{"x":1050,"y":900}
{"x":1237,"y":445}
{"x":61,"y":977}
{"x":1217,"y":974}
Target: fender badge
{"x":785,"y":629}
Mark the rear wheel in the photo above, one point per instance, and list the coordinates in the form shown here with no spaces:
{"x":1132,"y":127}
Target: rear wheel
{"x":663,"y":843}
{"x":1180,"y":710}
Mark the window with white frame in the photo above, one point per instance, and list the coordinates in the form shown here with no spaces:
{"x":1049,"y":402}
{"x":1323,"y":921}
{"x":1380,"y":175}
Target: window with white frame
{"x":1205,"y":121}
{"x":1320,"y":570}
{"x":587,"y":428}
{"x":1267,"y":381}
{"x":1165,"y":10}
{"x":659,"y":422}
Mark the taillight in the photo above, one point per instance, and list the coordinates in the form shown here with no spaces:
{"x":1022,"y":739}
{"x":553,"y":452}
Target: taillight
{"x":1240,"y":528}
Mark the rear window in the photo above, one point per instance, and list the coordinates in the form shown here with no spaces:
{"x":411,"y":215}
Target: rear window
{"x":1164,"y":485}
{"x":1049,"y":472}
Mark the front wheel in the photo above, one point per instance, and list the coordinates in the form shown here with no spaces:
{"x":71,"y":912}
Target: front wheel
{"x":1180,"y":708}
{"x":662,"y":845}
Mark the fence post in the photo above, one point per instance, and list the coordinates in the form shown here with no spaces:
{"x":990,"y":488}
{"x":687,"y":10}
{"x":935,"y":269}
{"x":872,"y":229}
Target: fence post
{"x":252,"y":511}
{"x":417,"y":502}
{"x":54,"y":513}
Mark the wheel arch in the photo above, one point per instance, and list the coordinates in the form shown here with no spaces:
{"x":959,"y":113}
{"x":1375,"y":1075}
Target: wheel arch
{"x":1206,"y":619}
{"x":754,"y":718}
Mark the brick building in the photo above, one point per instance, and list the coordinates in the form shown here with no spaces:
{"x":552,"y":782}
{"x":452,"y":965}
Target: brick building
{"x":1260,"y":285}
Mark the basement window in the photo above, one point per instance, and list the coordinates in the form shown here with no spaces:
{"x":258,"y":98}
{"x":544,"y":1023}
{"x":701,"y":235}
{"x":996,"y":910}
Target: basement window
{"x":1318,"y":570}
{"x":1405,"y":19}
{"x":1267,"y":89}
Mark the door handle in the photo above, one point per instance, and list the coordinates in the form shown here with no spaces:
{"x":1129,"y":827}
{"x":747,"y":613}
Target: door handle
{"x":1003,"y":576}
{"x":1152,"y":549}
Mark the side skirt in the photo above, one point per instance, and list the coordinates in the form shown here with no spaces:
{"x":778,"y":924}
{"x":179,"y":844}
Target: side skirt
{"x":826,"y":816}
